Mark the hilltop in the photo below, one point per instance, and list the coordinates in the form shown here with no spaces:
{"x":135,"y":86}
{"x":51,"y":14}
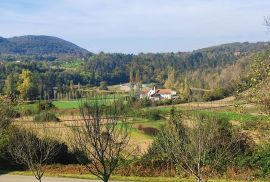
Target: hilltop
{"x":40,"y":46}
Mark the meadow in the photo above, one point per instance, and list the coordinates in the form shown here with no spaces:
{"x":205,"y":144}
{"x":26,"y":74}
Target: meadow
{"x":153,"y":118}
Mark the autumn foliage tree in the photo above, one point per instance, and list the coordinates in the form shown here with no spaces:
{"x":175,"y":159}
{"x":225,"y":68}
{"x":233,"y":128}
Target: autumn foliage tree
{"x":259,"y":80}
{"x":27,"y":86}
{"x":171,"y":80}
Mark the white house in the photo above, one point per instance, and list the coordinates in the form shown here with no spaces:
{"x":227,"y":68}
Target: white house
{"x":158,"y":94}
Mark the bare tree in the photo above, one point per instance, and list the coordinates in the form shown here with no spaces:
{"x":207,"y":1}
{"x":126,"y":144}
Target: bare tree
{"x":102,"y":138}
{"x":198,"y":148}
{"x":28,"y":149}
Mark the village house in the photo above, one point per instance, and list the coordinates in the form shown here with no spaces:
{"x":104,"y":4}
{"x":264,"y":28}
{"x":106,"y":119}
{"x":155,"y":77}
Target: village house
{"x":158,"y":94}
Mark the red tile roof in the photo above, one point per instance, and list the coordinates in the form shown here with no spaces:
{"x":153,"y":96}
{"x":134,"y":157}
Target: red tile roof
{"x":164,"y":91}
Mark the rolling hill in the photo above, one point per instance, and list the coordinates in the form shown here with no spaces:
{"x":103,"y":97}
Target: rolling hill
{"x":40,"y":46}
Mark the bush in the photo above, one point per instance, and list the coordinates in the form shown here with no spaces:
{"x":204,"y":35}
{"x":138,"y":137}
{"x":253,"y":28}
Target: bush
{"x":217,"y":94}
{"x":145,"y":102}
{"x":45,"y":105}
{"x":153,"y":114}
{"x":166,"y":102}
{"x":64,"y":156}
{"x":103,"y":85}
{"x":258,"y":159}
{"x":177,"y":101}
{"x":46,"y":117}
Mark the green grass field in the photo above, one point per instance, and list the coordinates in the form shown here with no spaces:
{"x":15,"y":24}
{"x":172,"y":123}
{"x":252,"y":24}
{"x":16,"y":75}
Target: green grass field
{"x":73,"y":104}
{"x":231,"y":116}
{"x":67,"y":104}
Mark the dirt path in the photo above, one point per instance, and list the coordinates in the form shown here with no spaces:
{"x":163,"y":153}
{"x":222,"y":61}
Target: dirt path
{"x":15,"y":178}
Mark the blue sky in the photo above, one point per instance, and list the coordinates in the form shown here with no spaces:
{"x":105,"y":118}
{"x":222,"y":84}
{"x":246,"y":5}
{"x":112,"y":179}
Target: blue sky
{"x":133,"y":26}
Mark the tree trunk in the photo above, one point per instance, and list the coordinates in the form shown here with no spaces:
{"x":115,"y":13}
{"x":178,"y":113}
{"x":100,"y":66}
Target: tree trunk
{"x":105,"y":178}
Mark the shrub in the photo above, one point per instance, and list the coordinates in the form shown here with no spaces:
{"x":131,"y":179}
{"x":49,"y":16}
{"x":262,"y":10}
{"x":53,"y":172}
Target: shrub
{"x":218,"y":93}
{"x":27,"y":112}
{"x":103,"y":85}
{"x":153,"y":114}
{"x":145,"y":102}
{"x":257,"y":159}
{"x":64,"y":156}
{"x":177,"y":101}
{"x":45,"y":105}
{"x":46,"y":117}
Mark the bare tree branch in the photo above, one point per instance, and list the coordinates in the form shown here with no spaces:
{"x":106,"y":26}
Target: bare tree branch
{"x":200,"y":147}
{"x":102,"y":139}
{"x":32,"y":151}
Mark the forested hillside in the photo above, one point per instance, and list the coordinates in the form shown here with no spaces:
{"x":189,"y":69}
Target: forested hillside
{"x":218,"y":68}
{"x":38,"y":47}
{"x":196,"y":66}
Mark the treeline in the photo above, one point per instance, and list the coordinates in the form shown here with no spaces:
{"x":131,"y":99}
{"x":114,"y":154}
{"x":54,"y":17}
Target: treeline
{"x":209,"y":68}
{"x":116,"y":68}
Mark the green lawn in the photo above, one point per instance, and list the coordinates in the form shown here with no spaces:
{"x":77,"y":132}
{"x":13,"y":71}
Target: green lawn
{"x":67,"y":104}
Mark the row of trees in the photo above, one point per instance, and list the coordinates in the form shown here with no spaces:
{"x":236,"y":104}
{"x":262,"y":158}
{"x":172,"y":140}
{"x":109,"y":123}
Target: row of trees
{"x":30,"y":86}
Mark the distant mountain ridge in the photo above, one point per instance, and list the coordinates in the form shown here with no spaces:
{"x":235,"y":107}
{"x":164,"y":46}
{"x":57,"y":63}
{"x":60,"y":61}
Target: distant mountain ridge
{"x":40,"y":45}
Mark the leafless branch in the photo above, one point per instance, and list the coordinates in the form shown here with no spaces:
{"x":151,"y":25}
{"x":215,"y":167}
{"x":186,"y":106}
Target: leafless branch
{"x":32,"y":151}
{"x":199,"y":148}
{"x":102,"y":139}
